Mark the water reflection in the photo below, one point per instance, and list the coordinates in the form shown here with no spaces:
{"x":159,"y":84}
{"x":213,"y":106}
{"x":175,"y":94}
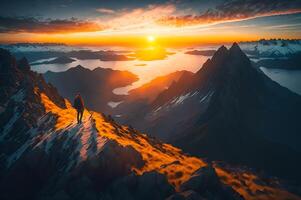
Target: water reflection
{"x":290,"y":79}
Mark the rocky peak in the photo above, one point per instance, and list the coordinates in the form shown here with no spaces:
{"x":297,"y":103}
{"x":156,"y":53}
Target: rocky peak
{"x":79,"y":67}
{"x":235,"y":46}
{"x":235,"y":73}
{"x":223,"y":64}
{"x":23,"y":65}
{"x":236,"y":54}
{"x":219,"y":56}
{"x":221,"y":50}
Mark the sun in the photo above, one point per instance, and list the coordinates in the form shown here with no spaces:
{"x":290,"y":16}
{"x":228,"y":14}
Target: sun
{"x":151,"y":38}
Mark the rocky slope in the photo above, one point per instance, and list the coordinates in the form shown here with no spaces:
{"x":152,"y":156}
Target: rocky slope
{"x":44,"y":154}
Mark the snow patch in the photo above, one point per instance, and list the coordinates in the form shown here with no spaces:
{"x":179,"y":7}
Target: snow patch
{"x":176,"y":101}
{"x":91,"y":143}
{"x":113,"y":104}
{"x":208,"y":95}
{"x":182,"y":98}
{"x":157,"y":109}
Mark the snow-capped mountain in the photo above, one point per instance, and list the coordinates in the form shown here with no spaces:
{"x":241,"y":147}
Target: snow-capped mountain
{"x":37,"y":47}
{"x":271,"y":48}
{"x":229,"y":110}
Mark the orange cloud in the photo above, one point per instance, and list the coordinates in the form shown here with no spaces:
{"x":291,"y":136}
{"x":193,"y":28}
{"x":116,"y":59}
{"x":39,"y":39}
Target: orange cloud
{"x":140,"y":18}
{"x":32,"y":25}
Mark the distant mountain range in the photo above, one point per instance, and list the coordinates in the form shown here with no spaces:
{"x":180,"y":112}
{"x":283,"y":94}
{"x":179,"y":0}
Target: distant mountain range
{"x":34,"y":44}
{"x":95,"y":86}
{"x":261,"y":49}
{"x":274,"y":53}
{"x":271,"y":48}
{"x":36,"y":52}
{"x":58,"y":60}
{"x":231,"y":111}
{"x":201,"y":52}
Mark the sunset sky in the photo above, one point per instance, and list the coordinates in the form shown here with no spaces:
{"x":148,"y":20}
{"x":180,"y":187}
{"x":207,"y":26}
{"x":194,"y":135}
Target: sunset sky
{"x":132,"y":22}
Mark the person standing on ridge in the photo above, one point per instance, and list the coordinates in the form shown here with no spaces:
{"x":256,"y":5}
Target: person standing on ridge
{"x":79,"y":106}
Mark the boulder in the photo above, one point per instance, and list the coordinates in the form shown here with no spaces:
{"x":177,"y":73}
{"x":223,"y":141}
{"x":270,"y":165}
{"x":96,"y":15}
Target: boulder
{"x":149,"y":186}
{"x":206,"y":182}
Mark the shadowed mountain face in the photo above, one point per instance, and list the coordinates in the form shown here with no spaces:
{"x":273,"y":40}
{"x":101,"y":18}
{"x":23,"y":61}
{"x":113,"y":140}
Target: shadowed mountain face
{"x":143,"y":96}
{"x":44,"y":154}
{"x":229,"y":111}
{"x":95,"y":86}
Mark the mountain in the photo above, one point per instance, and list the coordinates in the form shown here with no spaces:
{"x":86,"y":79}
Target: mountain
{"x":44,"y":154}
{"x":143,"y":96}
{"x":273,"y":48}
{"x":58,"y":60}
{"x":229,"y":111}
{"x":95,"y":86}
{"x":36,"y":53}
{"x":201,"y":52}
{"x":102,"y":55}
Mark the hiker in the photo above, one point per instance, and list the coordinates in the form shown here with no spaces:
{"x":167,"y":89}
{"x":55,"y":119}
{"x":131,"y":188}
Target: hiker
{"x":79,"y":106}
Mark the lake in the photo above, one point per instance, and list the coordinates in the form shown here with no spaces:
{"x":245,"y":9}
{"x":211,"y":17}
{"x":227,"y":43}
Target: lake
{"x":145,"y":70}
{"x":290,"y":79}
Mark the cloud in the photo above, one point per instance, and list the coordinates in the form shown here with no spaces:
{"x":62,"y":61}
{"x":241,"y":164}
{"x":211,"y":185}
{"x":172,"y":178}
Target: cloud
{"x":50,"y":26}
{"x":105,"y":11}
{"x":140,"y":18}
{"x":235,"y":10}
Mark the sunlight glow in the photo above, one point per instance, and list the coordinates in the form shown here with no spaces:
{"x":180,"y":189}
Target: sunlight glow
{"x":151,"y":38}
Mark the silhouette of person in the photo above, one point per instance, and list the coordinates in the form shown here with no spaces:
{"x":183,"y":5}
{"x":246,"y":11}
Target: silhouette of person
{"x":79,"y":106}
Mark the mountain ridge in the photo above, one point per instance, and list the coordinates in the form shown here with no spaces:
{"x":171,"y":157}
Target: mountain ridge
{"x":54,"y":158}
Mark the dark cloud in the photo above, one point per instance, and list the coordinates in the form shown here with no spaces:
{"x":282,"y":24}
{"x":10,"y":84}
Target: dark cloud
{"x":33,"y":25}
{"x":236,"y":10}
{"x":67,"y":8}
